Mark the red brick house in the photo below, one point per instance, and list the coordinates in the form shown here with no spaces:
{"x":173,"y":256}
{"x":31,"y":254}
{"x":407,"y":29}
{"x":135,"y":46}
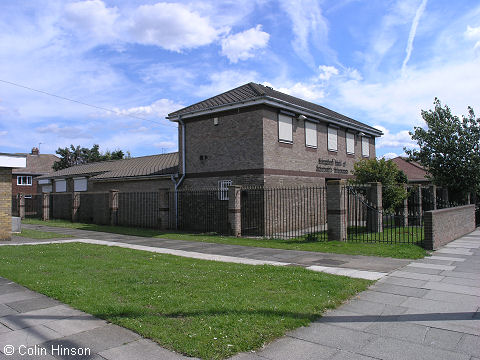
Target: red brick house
{"x":24,"y":180}
{"x":416,"y":173}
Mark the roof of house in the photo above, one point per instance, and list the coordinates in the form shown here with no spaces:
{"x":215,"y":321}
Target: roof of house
{"x":40,"y":164}
{"x":413,"y":170}
{"x":256,"y":92}
{"x":152,"y":165}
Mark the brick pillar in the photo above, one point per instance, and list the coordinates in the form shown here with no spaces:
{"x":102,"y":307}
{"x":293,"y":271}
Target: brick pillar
{"x":113,"y":206}
{"x":46,"y":207}
{"x":6,"y":203}
{"x":163,"y":208}
{"x":336,"y":210}
{"x":234,"y":210}
{"x":374,"y":214}
{"x":75,"y":206}
{"x":433,"y":194}
{"x":21,"y":206}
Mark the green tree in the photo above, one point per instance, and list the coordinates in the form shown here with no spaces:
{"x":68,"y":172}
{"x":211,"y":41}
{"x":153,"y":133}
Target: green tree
{"x":449,"y":147}
{"x":71,"y":156}
{"x":386,"y":172}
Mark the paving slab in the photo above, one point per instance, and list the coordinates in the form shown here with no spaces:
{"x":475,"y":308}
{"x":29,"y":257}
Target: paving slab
{"x":288,"y":348}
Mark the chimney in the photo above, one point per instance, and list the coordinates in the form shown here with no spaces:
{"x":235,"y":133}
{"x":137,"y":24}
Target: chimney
{"x":35,"y":151}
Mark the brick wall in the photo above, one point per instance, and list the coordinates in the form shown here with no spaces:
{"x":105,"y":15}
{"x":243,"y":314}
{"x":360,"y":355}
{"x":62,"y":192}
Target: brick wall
{"x":130,"y":185}
{"x":445,"y":225}
{"x":24,"y":189}
{"x":5,"y":203}
{"x":297,"y":157}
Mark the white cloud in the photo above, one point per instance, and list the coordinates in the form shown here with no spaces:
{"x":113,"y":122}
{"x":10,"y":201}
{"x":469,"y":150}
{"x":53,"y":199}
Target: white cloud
{"x":309,"y":26}
{"x":165,"y":144}
{"x":241,"y":46}
{"x":306,"y":91}
{"x":158,"y":109}
{"x":413,"y":31}
{"x":390,"y":155}
{"x":399,"y":100}
{"x":69,"y":132}
{"x":474,"y":34}
{"x":93,"y":17}
{"x":326,"y":72}
{"x":399,"y":139}
{"x":171,"y":26}
{"x":3,"y":133}
{"x":225,"y":80}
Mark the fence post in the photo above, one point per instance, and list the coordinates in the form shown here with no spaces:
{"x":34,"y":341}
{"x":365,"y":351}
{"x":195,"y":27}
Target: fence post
{"x":163,"y":208}
{"x":234,"y":210}
{"x":46,"y":207}
{"x":405,"y":207}
{"x":75,"y":206}
{"x":445,"y":197}
{"x":336,"y":210}
{"x":433,"y":194}
{"x":21,"y":206}
{"x":113,"y":205}
{"x":375,"y":215}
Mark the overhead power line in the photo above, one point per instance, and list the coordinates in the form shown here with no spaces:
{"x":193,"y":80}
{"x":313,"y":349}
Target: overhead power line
{"x":83,"y":103}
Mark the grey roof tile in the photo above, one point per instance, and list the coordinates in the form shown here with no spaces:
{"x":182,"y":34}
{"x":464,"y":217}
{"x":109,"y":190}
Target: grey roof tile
{"x":253,"y":91}
{"x":151,"y":165}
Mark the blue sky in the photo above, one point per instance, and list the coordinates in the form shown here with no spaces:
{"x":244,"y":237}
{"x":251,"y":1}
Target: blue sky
{"x":377,"y":61}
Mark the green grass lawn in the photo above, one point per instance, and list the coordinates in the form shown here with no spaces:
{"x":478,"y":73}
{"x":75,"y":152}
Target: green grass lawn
{"x":37,"y":234}
{"x":199,"y":308}
{"x":401,"y":251}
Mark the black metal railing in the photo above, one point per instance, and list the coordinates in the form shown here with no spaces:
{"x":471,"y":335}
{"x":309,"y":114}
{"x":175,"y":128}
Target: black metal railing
{"x":367,"y":223}
{"x":203,"y":210}
{"x":284,"y":213}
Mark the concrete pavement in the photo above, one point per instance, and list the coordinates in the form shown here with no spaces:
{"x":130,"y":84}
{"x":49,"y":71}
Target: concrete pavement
{"x":428,"y":309}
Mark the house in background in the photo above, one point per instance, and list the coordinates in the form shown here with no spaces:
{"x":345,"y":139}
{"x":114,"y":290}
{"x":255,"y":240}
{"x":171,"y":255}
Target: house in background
{"x":255,"y":135}
{"x":416,"y":173}
{"x":141,"y":174}
{"x":25,"y":180}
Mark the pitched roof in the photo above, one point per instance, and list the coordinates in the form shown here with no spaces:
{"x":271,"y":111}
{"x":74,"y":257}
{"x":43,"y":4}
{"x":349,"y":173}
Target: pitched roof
{"x":413,"y":170}
{"x":253,"y":91}
{"x":37,"y":164}
{"x":152,"y":165}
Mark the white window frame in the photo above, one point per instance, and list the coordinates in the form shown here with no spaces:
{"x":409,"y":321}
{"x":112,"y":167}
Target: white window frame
{"x":64,"y":181}
{"x":311,"y":127}
{"x":223,"y":189}
{"x":365,"y":146}
{"x":332,"y":133}
{"x":285,"y":125}
{"x":76,"y":185}
{"x":24,"y":180}
{"x":350,"y":136}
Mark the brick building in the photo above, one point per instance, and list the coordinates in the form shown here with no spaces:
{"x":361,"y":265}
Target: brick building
{"x":24,"y":180}
{"x":254,"y":135}
{"x":250,"y":135}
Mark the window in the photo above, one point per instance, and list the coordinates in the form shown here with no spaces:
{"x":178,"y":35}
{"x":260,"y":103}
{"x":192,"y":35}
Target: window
{"x":47,"y":188}
{"x":310,"y":134}
{"x":223,"y":189}
{"x":332,"y":139}
{"x":350,"y":143}
{"x":60,"y":185}
{"x":80,"y":184}
{"x":24,"y":180}
{"x":285,"y":129}
{"x":365,"y":147}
